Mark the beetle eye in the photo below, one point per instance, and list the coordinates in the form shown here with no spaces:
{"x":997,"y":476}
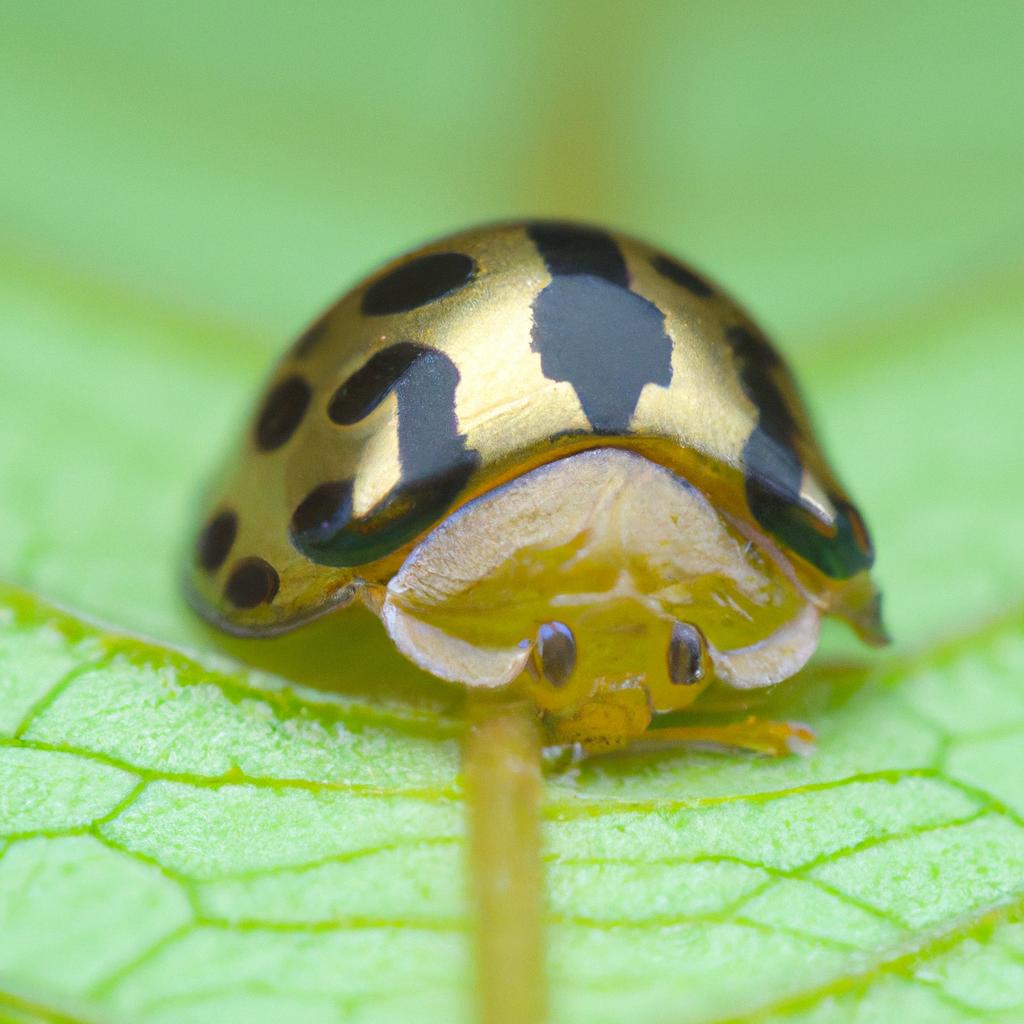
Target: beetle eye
{"x":556,"y":652}
{"x":685,"y":655}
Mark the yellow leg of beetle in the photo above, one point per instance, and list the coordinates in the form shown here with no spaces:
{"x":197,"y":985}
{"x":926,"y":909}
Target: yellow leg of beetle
{"x":764,"y":737}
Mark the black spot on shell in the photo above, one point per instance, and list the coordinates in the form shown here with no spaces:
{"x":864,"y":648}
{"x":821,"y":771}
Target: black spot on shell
{"x":754,"y":352}
{"x":430,"y":446}
{"x":682,"y":275}
{"x":574,"y":249}
{"x":592,"y":331}
{"x":418,"y":282}
{"x":773,"y":471}
{"x":324,"y":511}
{"x":282,"y":412}
{"x":216,"y":539}
{"x":372,"y":383}
{"x":435,"y":466}
{"x":252,"y":582}
{"x":857,"y":527}
{"x":404,"y":513}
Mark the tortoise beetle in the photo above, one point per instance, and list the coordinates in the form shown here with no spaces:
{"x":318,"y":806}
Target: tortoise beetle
{"x":550,"y":458}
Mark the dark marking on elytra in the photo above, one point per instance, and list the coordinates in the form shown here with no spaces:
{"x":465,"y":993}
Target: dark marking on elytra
{"x":857,"y":528}
{"x":282,"y":412}
{"x":252,"y":582}
{"x":216,"y":539}
{"x":682,"y":275}
{"x":773,"y":470}
{"x":324,"y":511}
{"x":572,"y":249}
{"x":418,"y":282}
{"x":591,"y":330}
{"x":358,"y":396}
{"x":435,"y":466}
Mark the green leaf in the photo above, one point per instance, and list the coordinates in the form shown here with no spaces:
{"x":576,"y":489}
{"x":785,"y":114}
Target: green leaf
{"x":186,"y":840}
{"x":179,"y":839}
{"x":244,"y":848}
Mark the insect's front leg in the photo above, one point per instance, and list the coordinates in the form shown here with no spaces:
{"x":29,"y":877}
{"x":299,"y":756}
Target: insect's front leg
{"x":761,"y":736}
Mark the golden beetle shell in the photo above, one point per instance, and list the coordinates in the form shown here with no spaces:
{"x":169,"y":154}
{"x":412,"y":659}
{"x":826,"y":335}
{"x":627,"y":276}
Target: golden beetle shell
{"x":480,"y":357}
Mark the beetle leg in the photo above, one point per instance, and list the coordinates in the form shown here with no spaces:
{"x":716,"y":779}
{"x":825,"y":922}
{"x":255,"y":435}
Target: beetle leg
{"x":760,"y":736}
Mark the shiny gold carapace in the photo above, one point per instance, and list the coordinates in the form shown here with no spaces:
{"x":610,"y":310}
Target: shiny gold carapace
{"x":474,"y":360}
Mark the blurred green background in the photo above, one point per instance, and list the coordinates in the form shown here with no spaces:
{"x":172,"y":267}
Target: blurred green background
{"x":245,"y":161}
{"x":184,"y":185}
